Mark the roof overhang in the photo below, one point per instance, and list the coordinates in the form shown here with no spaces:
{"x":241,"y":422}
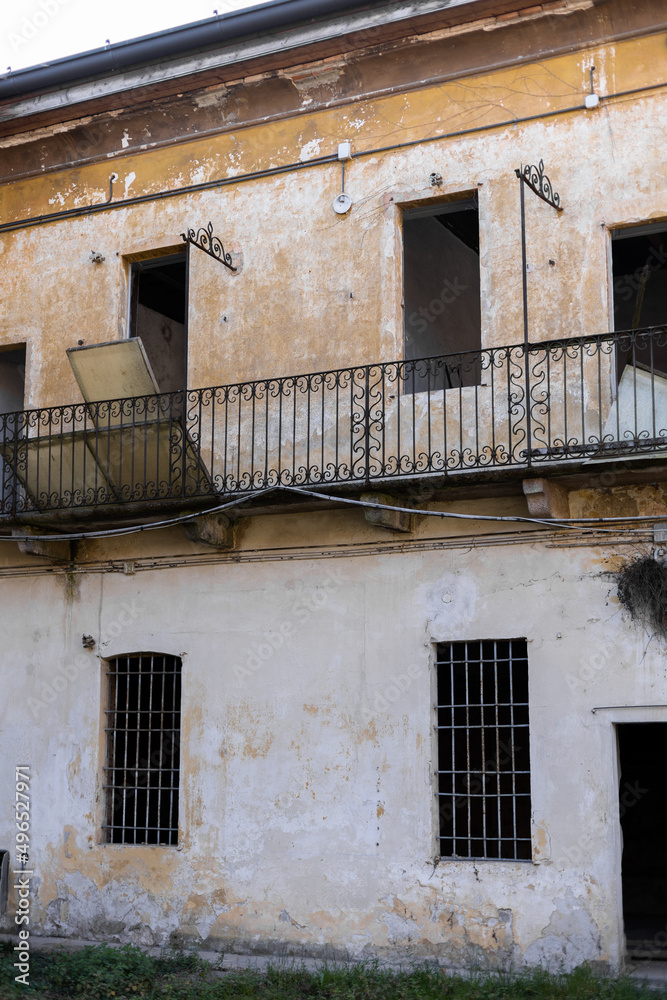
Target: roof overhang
{"x":273,"y":35}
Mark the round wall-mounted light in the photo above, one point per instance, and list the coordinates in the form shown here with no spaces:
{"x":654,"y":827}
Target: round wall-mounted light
{"x":342,"y":204}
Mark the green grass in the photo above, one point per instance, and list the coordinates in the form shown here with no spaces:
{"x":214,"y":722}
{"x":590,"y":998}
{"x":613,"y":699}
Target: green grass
{"x":127,"y":973}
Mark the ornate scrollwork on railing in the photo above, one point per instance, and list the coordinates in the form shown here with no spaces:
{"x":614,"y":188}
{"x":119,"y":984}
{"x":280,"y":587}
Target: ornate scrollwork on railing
{"x":360,"y":420}
{"x":560,"y":401}
{"x":537,"y":181}
{"x":539,"y":400}
{"x":206,"y":240}
{"x":513,"y":365}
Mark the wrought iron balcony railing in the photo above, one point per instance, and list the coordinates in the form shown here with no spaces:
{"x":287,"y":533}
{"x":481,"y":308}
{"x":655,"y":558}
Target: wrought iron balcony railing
{"x":578,"y":400}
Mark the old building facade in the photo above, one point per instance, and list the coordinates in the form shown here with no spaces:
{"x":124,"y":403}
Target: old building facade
{"x":329,"y":658}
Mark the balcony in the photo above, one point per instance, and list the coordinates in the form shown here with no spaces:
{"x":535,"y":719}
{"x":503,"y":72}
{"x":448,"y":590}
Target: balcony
{"x":573,"y":403}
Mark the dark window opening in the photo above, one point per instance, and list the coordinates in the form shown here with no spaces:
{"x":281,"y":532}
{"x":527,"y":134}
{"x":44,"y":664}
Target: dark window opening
{"x":483,"y":750}
{"x":639,"y":266}
{"x":143,"y":749}
{"x":441,"y":295}
{"x":12,"y":401}
{"x":12,"y":379}
{"x":158,"y":315}
{"x":643,"y":812}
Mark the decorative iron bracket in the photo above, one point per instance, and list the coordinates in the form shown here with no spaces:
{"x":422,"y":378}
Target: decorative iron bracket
{"x":210,"y":244}
{"x":533,"y":177}
{"x":537,"y":181}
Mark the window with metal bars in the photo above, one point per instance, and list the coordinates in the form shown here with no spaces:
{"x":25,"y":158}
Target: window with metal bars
{"x":483,"y":750}
{"x":143,"y":745}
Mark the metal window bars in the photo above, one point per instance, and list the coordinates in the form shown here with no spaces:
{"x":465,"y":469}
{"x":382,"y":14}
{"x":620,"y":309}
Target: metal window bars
{"x":143,"y":749}
{"x":471,"y":413}
{"x":483,"y":776}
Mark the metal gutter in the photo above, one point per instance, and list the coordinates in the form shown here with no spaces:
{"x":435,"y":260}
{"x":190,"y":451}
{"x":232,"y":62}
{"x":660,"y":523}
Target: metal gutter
{"x":173,"y":41}
{"x":141,"y":61}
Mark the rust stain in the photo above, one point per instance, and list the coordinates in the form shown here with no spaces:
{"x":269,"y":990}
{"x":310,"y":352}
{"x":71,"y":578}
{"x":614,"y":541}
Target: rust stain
{"x":192,"y":730}
{"x":73,"y":771}
{"x":369,"y":733}
{"x":258,"y":746}
{"x":620,"y":501}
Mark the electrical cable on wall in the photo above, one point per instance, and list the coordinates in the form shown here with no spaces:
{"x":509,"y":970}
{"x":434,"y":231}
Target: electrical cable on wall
{"x":576,"y":523}
{"x":8,"y":227}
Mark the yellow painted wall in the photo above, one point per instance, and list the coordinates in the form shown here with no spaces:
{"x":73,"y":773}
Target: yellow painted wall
{"x":316,"y":290}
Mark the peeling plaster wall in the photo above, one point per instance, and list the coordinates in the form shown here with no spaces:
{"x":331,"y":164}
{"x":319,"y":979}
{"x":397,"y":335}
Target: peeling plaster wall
{"x":318,"y":291}
{"x":307,"y":805}
{"x":307,"y":808}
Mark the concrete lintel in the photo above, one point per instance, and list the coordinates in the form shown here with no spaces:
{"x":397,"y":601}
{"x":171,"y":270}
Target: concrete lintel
{"x":392,"y":520}
{"x":546,"y":498}
{"x":215,"y":530}
{"x":47,"y":549}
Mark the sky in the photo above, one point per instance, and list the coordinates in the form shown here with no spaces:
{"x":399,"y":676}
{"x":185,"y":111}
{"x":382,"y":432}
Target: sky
{"x":37,"y":31}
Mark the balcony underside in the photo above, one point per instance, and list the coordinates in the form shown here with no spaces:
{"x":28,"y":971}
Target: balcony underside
{"x":412,"y":492}
{"x":578,"y":408}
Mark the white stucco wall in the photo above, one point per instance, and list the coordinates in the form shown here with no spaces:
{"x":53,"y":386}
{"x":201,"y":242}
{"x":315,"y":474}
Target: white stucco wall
{"x":307,"y":816}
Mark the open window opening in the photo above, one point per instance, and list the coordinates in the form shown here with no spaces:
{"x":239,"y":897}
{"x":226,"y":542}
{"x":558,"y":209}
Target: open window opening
{"x":639,"y":267}
{"x":441,"y":296}
{"x":158,"y":315}
{"x":12,"y":379}
{"x":483,"y":750}
{"x":643,"y":810}
{"x":143,"y":749}
{"x":12,"y":401}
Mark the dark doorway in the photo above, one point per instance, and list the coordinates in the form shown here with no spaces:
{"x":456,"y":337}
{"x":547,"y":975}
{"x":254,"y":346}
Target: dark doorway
{"x":639,"y":264}
{"x":441,"y":295}
{"x":643,"y":812}
{"x":158,"y":315}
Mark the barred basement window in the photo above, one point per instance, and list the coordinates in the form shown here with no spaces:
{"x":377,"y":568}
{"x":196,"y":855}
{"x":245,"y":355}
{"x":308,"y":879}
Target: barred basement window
{"x":483,"y":750}
{"x":143,"y":744}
